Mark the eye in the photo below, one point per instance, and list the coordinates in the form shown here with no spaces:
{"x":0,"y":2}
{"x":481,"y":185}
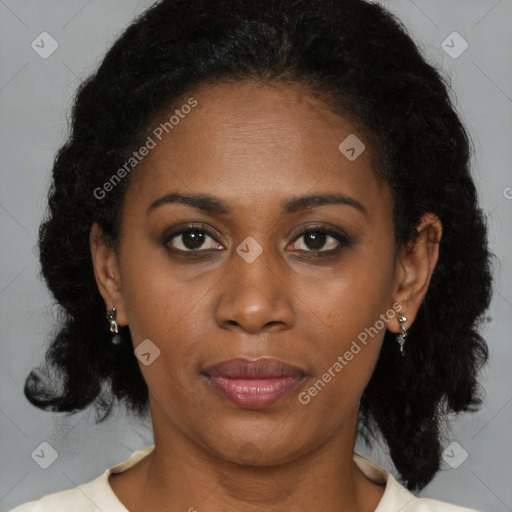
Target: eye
{"x":191,"y":239}
{"x":321,"y":240}
{"x":318,"y":240}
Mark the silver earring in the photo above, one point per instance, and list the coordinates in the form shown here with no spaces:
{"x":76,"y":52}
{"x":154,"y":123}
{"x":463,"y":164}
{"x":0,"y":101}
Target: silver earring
{"x":111,"y":317}
{"x":403,"y":334}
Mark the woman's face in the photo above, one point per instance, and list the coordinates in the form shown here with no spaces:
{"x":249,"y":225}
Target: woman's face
{"x":243,"y":282}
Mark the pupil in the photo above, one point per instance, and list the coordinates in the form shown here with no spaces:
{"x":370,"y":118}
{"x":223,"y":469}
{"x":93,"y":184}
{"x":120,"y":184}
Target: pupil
{"x":315,"y":239}
{"x":193,"y":239}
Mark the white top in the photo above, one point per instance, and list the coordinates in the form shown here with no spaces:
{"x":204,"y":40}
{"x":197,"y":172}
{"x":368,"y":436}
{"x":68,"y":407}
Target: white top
{"x":98,"y":496}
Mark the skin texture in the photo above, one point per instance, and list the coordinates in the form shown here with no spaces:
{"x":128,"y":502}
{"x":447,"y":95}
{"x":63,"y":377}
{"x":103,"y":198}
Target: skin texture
{"x":253,"y":146}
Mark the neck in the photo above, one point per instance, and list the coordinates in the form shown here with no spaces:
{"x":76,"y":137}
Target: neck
{"x":180,"y":475}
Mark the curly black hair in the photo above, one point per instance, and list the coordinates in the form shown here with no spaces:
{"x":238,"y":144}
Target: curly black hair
{"x":358,"y":58}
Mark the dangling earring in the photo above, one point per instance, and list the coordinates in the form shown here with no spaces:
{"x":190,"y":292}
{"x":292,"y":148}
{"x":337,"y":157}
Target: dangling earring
{"x":403,"y":334}
{"x":111,"y":317}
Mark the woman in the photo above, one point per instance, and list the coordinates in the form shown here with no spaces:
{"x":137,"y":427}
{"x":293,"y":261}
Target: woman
{"x":276,"y":218}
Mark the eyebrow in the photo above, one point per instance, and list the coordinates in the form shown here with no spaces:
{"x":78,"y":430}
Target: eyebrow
{"x":214,"y":205}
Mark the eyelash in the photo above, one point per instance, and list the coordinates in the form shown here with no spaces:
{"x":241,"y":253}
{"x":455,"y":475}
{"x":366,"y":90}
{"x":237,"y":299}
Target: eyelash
{"x":343,"y":241}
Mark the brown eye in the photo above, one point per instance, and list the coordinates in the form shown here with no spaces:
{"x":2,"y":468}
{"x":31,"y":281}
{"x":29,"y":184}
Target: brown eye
{"x":318,"y":239}
{"x":191,"y":239}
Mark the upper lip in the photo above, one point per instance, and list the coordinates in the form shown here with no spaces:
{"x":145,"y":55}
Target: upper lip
{"x":262,"y":368}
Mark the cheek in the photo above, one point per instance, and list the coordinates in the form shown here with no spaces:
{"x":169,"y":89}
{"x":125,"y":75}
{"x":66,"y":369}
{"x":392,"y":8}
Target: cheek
{"x":166,"y":306}
{"x":149,"y":297}
{"x":354,"y":295}
{"x":344,"y":355}
{"x":349,"y":322}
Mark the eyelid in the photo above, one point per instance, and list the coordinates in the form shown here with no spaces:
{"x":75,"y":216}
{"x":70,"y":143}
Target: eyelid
{"x":327,"y":228}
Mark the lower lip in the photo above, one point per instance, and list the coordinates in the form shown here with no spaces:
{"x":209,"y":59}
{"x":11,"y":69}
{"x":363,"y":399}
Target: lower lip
{"x":255,"y":393}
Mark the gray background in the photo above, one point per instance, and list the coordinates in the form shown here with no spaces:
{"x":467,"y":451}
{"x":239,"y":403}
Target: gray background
{"x":35,"y":96}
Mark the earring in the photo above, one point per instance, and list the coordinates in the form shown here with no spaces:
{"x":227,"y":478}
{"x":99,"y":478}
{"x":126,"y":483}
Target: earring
{"x":403,"y":334}
{"x":111,"y":317}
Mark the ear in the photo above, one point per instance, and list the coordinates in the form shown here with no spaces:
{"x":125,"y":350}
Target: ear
{"x":414,"y":269}
{"x":106,"y":272}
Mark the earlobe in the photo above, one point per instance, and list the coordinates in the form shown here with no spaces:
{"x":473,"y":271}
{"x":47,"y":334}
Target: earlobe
{"x":106,"y":272}
{"x":415,"y":267}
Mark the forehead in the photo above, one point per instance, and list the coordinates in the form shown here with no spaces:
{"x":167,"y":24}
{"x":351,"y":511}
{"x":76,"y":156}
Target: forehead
{"x":249,"y":140}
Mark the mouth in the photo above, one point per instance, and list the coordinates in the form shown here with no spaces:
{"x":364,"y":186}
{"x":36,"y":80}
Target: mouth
{"x":254,"y":384}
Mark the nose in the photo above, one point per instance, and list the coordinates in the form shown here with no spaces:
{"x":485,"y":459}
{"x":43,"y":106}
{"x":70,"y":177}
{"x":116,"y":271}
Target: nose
{"x":254,"y":297}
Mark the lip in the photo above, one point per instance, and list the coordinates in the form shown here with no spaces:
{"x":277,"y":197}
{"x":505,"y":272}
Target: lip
{"x":254,"y":384}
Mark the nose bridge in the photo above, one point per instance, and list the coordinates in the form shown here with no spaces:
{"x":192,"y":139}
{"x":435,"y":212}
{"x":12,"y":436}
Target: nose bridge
{"x":253,"y":294}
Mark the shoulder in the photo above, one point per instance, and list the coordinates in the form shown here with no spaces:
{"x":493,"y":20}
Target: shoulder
{"x":93,"y":496}
{"x":397,"y":497}
{"x":78,"y":499}
{"x":428,"y":505}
